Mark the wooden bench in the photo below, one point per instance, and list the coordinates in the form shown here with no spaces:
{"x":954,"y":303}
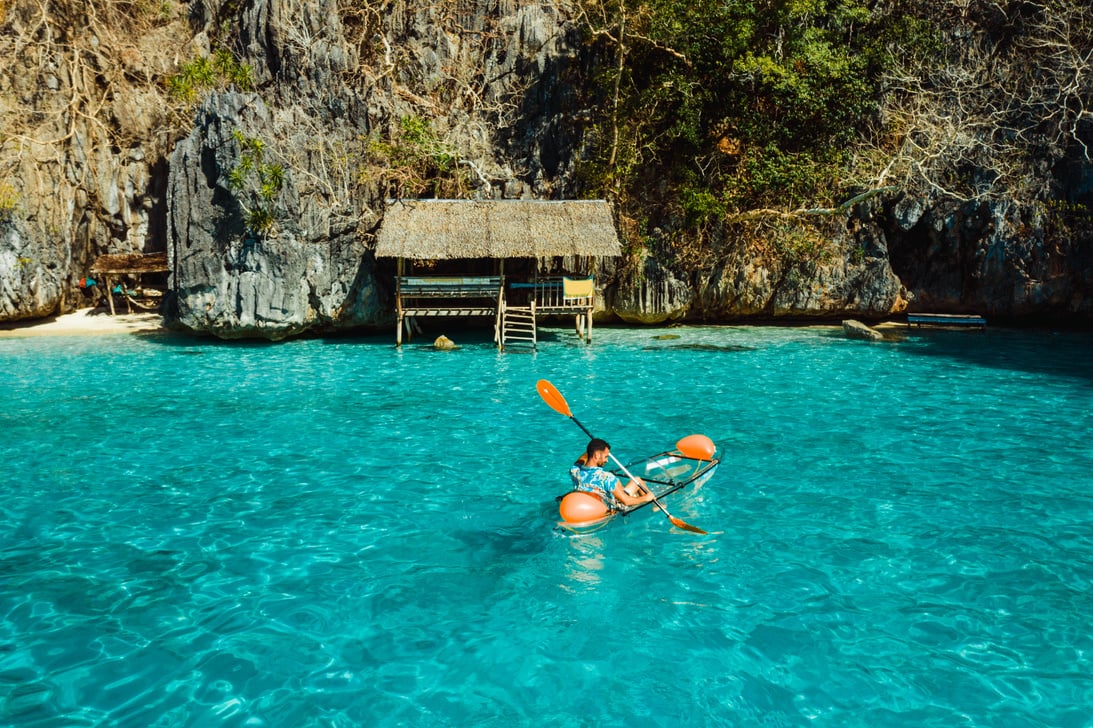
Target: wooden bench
{"x":946,"y":319}
{"x":450,"y":286}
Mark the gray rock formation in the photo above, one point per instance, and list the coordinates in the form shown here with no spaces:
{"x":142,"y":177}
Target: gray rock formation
{"x":307,"y":273}
{"x":654,"y":296}
{"x":32,"y":273}
{"x":995,"y":258}
{"x":336,"y":133}
{"x":847,"y":273}
{"x":858,"y":330}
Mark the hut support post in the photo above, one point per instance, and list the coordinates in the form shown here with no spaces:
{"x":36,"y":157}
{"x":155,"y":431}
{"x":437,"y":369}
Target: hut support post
{"x":398,"y":304}
{"x":109,"y":293}
{"x":498,"y":319}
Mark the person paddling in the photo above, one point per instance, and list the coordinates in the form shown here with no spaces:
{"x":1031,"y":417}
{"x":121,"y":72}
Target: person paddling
{"x":589,"y":476}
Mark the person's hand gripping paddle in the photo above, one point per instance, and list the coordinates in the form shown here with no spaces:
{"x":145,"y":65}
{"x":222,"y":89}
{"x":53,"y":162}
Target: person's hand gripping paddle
{"x":556,"y":401}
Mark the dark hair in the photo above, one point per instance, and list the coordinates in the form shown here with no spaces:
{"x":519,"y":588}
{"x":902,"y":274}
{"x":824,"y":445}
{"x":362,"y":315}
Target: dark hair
{"x":595,"y":445}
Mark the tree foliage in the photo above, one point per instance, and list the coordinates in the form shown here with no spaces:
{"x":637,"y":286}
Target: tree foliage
{"x":717,"y":111}
{"x":988,"y":113}
{"x":752,"y":100}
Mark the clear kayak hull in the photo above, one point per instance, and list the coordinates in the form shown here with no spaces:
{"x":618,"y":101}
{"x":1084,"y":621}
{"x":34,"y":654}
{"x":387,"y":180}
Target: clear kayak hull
{"x":668,"y":472}
{"x":664,"y":473}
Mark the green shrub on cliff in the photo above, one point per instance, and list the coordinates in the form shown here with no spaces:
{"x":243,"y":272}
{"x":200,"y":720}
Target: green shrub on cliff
{"x":9,"y":202}
{"x":206,"y":73}
{"x":415,"y":160}
{"x":705,"y":84}
{"x":710,"y":110}
{"x":261,"y":179}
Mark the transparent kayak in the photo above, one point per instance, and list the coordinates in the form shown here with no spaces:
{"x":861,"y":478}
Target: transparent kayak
{"x":663,"y":473}
{"x":666,"y":473}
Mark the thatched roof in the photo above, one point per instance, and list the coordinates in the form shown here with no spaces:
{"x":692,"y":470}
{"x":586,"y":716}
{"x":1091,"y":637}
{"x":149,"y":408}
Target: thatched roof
{"x":131,"y":263}
{"x":444,"y":229}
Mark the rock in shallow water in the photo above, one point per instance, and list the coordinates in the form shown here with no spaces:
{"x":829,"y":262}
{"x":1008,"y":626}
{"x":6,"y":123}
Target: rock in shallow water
{"x":858,"y":330}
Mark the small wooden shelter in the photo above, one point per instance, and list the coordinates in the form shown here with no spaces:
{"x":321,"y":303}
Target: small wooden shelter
{"x":496,"y":230}
{"x":131,"y":264}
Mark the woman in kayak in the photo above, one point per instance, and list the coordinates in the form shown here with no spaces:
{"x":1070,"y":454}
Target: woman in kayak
{"x":589,"y":476}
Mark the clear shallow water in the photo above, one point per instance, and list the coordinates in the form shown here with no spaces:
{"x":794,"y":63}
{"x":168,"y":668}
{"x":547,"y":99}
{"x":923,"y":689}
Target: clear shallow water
{"x":340,"y":533}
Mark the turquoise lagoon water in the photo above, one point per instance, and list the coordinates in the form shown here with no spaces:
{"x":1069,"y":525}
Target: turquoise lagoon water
{"x":339,"y":533}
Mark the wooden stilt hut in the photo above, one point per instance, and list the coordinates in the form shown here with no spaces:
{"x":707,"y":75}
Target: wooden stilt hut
{"x":465,"y":234}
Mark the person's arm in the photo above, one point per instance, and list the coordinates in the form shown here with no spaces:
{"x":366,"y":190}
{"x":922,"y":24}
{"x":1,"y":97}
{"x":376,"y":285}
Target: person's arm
{"x":626,"y":499}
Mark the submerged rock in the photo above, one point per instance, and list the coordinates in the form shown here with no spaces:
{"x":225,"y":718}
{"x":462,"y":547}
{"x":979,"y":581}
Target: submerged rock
{"x":732,"y":348}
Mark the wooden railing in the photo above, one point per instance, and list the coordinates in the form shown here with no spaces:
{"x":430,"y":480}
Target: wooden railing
{"x":550,"y":293}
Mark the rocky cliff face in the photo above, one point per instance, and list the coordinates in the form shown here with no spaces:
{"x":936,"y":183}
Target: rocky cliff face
{"x":84,"y":132}
{"x":359,"y":118}
{"x":266,"y":191}
{"x":1005,"y":260}
{"x":309,"y":271}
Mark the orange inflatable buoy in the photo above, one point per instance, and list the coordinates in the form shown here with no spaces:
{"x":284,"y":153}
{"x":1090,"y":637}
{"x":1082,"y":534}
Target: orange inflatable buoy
{"x":698,"y":447}
{"x":580,"y":507}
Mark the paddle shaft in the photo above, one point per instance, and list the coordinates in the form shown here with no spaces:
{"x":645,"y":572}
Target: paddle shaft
{"x":623,"y":467}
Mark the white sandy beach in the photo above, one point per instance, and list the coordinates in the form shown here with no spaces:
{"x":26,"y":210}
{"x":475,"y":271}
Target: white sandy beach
{"x":98,"y":321}
{"x":86,"y":321}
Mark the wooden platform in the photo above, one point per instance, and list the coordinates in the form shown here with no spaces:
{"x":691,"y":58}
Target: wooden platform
{"x":452,"y":296}
{"x":129,"y":264}
{"x":946,"y":319}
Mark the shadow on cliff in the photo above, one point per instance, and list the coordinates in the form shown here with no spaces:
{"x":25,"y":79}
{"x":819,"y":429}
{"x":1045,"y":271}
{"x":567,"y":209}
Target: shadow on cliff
{"x":1056,"y":354}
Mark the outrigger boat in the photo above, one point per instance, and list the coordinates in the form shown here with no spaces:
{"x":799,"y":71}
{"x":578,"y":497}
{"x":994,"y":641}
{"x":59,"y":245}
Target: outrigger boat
{"x":692,"y":463}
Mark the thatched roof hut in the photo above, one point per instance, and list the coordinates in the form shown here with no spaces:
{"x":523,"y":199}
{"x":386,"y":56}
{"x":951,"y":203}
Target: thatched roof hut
{"x":447,"y":229}
{"x":126,"y":263}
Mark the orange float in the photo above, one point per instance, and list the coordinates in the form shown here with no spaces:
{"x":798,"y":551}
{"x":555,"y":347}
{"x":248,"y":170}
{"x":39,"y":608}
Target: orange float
{"x":579,"y":507}
{"x":698,"y":447}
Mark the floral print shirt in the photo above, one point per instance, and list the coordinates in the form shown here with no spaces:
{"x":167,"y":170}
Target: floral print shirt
{"x":595,"y":480}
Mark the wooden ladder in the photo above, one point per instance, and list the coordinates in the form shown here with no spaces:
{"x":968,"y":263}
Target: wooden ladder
{"x":518,"y":326}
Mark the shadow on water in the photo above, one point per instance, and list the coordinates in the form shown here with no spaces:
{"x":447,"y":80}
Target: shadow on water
{"x":1060,"y":354}
{"x":185,"y":340}
{"x":725,"y":348}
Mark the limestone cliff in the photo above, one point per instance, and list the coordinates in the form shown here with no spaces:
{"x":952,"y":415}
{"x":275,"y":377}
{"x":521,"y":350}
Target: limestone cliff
{"x":257,"y":141}
{"x":358,"y":108}
{"x":84,"y":134}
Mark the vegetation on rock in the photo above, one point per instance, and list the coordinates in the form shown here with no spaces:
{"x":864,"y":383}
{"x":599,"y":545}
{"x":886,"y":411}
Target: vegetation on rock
{"x":739,"y":121}
{"x":206,"y":73}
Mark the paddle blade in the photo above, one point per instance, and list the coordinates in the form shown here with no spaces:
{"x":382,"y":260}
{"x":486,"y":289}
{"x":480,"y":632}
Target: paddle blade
{"x":698,"y":447}
{"x":686,"y":526}
{"x":553,"y":397}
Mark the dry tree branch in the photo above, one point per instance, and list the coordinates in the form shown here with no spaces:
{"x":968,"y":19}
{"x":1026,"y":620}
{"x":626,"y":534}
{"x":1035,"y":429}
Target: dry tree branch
{"x":839,"y":209}
{"x":975,"y":125}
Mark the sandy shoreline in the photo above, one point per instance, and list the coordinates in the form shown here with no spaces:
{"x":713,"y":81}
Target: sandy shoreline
{"x":86,"y":321}
{"x":98,"y":321}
